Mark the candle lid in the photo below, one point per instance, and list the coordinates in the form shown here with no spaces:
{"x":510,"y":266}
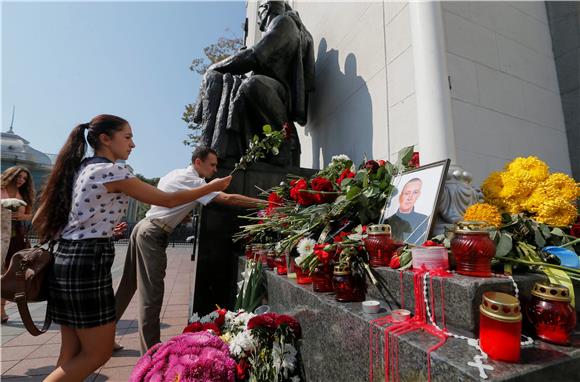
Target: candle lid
{"x":500,"y":306}
{"x":341,"y":270}
{"x":552,"y":292}
{"x":472,"y":227}
{"x":379,"y":229}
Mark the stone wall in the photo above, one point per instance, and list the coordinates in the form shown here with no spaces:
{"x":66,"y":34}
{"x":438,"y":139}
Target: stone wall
{"x":504,"y":88}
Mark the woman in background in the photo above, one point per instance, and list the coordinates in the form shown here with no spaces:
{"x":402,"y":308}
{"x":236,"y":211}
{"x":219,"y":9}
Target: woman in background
{"x":17,"y":183}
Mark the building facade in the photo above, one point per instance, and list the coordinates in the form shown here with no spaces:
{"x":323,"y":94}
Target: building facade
{"x":496,"y":63}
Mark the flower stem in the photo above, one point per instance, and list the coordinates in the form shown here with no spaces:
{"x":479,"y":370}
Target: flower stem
{"x":571,"y":243}
{"x":542,"y":264}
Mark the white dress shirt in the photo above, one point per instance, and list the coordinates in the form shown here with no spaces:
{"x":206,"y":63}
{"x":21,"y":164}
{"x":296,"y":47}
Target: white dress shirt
{"x":180,"y":179}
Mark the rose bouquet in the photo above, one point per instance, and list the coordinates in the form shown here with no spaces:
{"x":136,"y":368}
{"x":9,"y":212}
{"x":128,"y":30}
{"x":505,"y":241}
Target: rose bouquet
{"x":264,"y":346}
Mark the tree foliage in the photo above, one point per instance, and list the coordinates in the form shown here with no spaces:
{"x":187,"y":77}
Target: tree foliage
{"x":222,"y":49}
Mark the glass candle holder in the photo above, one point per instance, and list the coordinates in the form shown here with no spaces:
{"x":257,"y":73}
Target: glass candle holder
{"x":551,"y":313}
{"x":281,"y":266}
{"x":302,"y":276}
{"x":500,"y":326}
{"x":322,"y":278}
{"x":271,"y":259}
{"x":379,"y":245}
{"x":473,"y":249}
{"x":343,"y":284}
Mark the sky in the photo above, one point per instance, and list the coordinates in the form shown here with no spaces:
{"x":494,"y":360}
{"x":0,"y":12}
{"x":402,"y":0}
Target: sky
{"x":65,"y":62}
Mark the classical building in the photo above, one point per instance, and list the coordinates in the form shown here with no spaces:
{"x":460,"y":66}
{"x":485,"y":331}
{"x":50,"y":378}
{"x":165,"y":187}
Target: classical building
{"x":478,"y":82}
{"x":16,"y":151}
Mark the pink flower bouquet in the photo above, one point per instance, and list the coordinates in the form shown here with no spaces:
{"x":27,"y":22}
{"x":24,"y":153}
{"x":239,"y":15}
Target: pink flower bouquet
{"x":195,"y":357}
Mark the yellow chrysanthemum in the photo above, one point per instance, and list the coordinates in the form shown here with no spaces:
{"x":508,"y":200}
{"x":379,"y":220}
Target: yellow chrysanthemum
{"x":558,"y":212}
{"x":492,"y":186}
{"x":536,"y":169}
{"x":517,"y":185}
{"x":559,"y":184}
{"x":483,"y":212}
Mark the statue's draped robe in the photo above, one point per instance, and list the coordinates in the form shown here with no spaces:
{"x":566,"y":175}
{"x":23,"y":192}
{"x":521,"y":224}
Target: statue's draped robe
{"x":233,"y":106}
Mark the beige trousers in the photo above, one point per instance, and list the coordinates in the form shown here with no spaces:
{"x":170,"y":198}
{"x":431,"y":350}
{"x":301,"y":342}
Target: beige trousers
{"x":144,"y":272}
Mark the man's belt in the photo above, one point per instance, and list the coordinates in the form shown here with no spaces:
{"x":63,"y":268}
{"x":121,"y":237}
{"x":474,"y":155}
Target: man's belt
{"x":158,"y":223}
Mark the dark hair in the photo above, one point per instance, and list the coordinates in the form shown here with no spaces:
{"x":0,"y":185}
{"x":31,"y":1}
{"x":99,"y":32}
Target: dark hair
{"x":27,"y":189}
{"x":56,"y":197}
{"x":202,"y":152}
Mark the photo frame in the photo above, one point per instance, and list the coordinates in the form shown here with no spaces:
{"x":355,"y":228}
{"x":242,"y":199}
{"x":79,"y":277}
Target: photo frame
{"x":411,"y":208}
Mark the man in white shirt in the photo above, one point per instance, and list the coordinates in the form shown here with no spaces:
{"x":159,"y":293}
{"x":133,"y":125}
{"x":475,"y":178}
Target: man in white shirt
{"x":146,"y":259}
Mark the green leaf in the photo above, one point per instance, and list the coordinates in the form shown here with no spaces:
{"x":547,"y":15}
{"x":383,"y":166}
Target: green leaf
{"x":538,"y":238}
{"x":504,"y":246}
{"x":405,"y":154}
{"x":352,"y":192}
{"x":545,"y":230}
{"x":558,"y":232}
{"x":267,"y":129}
{"x":345,"y":182}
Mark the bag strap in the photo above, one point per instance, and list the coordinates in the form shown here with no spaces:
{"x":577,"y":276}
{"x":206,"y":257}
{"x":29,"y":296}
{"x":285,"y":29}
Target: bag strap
{"x":22,"y":303}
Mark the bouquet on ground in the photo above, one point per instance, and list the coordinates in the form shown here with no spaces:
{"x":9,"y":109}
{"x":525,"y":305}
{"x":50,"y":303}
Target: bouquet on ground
{"x":264,"y":347}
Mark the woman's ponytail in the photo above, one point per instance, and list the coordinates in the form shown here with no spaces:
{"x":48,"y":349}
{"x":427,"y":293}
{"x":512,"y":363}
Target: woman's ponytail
{"x":56,"y":198}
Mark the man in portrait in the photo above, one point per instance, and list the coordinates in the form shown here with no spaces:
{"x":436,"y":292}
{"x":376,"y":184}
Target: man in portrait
{"x":407,"y":224}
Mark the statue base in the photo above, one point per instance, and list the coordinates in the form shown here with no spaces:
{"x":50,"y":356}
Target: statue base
{"x":215,"y":252}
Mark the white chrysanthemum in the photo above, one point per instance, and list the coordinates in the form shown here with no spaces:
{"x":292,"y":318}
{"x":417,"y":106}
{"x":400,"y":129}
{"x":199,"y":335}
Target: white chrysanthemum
{"x":209,"y":318}
{"x":284,"y":358}
{"x":306,"y":246}
{"x":243,"y":342}
{"x":341,"y":157}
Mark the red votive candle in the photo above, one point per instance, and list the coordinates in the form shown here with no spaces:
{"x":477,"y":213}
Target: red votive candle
{"x":473,"y":249}
{"x":551,"y":314}
{"x":379,"y":245}
{"x":500,"y":326}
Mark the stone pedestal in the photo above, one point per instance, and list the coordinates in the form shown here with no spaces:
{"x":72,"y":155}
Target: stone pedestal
{"x":215,"y":252}
{"x":335,"y":345}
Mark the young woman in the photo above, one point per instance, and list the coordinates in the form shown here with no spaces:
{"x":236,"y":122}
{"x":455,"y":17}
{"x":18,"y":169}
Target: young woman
{"x":17,"y":183}
{"x":82,"y":202}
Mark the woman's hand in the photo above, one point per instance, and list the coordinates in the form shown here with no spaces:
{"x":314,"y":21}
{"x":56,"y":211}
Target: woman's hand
{"x":221,"y":184}
{"x":119,"y":230}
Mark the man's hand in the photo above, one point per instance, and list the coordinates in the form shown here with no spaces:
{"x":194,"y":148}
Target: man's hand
{"x":119,"y":230}
{"x":221,"y":184}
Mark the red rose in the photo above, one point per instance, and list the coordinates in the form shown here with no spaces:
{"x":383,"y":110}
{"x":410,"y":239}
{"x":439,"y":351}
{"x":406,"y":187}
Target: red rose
{"x":274,"y":201}
{"x":414,"y":162}
{"x":303,"y":198}
{"x":322,"y":184}
{"x":382,"y":162}
{"x":372,"y":166}
{"x":323,"y":256}
{"x":395,"y":262}
{"x":242,"y":368}
{"x":265,"y":320}
{"x":193,"y":327}
{"x":221,"y":318}
{"x":287,"y":130}
{"x":346,"y":174}
{"x":294,"y":325}
{"x":364,"y":229}
{"x":213,"y":327}
{"x":575,"y":230}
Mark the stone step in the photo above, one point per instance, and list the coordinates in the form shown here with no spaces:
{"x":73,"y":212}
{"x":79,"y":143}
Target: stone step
{"x":335,"y":345}
{"x":462,"y":295}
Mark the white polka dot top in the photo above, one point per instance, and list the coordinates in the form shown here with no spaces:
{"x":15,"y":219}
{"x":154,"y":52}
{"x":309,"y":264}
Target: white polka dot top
{"x":95,"y":212}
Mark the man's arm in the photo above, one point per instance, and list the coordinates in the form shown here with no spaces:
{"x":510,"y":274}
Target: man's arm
{"x":239,"y":200}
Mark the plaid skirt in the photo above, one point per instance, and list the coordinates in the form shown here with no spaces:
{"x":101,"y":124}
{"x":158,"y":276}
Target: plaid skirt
{"x":81,"y":288}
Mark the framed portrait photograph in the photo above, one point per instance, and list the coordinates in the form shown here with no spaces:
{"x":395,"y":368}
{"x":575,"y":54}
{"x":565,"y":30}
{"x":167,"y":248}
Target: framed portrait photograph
{"x":411,"y":209}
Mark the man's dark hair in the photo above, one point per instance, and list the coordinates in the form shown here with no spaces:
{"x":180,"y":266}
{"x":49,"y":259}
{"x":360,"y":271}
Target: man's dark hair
{"x":202,"y":153}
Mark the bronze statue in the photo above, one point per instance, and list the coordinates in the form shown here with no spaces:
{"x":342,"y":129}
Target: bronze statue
{"x":234,"y":104}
